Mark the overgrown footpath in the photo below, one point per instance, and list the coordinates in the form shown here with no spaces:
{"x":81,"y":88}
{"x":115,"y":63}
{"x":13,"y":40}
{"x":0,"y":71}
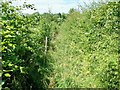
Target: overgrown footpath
{"x":86,"y":49}
{"x":75,"y":50}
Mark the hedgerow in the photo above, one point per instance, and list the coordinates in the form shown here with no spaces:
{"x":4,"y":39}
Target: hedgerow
{"x":24,"y":62}
{"x":75,"y":50}
{"x":86,"y":49}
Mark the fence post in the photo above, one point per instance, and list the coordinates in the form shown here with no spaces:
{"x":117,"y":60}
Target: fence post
{"x":45,"y":45}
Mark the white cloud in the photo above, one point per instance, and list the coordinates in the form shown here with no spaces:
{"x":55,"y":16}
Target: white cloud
{"x":55,"y":6}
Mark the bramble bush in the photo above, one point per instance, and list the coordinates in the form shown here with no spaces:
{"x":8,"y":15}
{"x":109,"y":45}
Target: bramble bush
{"x":75,"y":50}
{"x":24,"y":62}
{"x":86,"y":49}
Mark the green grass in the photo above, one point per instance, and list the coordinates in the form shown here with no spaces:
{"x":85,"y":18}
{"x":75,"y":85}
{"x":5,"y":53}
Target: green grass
{"x":85,"y":47}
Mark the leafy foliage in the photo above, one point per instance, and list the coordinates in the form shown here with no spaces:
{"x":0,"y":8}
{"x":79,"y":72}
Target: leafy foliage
{"x":25,"y":66}
{"x":86,"y":49}
{"x":60,"y":50}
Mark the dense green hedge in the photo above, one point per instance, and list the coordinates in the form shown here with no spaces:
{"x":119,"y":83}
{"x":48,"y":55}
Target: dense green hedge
{"x":25,"y":64}
{"x":86,"y":49}
{"x":81,"y":50}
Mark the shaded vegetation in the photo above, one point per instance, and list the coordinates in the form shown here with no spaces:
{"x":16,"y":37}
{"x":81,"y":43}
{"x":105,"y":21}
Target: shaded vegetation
{"x":75,"y":50}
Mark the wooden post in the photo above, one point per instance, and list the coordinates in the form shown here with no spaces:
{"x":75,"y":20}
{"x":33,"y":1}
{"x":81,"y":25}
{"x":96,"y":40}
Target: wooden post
{"x":45,"y":45}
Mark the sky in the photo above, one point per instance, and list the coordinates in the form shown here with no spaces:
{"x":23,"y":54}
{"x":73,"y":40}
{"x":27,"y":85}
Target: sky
{"x":55,"y":6}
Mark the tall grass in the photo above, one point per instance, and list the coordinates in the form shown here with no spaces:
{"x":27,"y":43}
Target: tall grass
{"x":86,"y":49}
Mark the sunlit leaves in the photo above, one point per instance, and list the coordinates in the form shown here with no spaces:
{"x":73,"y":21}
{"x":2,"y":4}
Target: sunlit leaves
{"x":21,"y":51}
{"x":86,"y":45}
{"x":7,"y":75}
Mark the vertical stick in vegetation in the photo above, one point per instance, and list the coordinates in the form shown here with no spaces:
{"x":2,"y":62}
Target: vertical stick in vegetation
{"x":45,"y":45}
